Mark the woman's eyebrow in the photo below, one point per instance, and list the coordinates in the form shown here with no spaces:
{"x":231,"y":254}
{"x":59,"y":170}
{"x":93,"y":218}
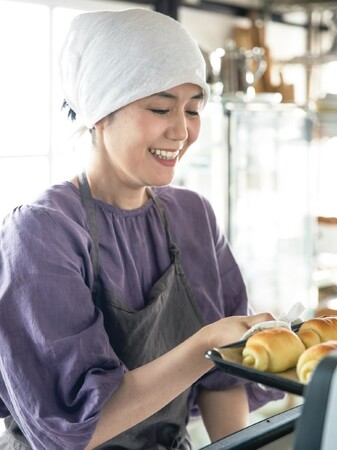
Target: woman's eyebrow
{"x":166,"y":94}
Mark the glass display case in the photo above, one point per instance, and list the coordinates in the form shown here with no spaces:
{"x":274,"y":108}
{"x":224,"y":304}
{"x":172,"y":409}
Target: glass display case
{"x":270,"y":209}
{"x":256,"y":166}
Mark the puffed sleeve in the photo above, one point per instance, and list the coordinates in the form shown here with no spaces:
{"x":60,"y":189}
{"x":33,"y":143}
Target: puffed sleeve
{"x":57,"y":368}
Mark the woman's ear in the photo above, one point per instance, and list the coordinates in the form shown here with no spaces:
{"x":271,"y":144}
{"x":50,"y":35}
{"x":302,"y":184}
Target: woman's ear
{"x":99,"y":125}
{"x":97,"y":130}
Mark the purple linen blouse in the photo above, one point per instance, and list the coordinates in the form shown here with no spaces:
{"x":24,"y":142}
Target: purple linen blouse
{"x":57,"y":367}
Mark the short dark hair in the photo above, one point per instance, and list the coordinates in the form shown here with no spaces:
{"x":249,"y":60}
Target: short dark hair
{"x":71,"y":112}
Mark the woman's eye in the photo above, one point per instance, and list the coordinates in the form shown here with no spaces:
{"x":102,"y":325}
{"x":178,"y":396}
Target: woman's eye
{"x":159,"y":111}
{"x":193,"y":113}
{"x":162,"y":112}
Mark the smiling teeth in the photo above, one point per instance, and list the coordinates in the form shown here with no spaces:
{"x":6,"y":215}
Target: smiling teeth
{"x":163,"y":154}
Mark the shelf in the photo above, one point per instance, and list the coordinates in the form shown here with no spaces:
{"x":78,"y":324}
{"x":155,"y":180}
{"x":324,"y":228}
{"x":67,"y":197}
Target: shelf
{"x":295,"y":5}
{"x":171,"y":8}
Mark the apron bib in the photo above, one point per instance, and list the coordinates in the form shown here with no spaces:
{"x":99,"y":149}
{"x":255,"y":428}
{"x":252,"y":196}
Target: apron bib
{"x":138,"y":337}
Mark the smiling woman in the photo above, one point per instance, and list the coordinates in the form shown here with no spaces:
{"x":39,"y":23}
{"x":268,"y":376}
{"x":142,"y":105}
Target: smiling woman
{"x":126,"y":280}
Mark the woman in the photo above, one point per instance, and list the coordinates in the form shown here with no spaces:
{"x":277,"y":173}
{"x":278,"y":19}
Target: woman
{"x":115,"y":284}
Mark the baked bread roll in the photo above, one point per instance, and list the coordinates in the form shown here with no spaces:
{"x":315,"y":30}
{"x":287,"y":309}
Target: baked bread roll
{"x":272,"y":350}
{"x":317,"y":330}
{"x":325,"y":311}
{"x":309,"y":359}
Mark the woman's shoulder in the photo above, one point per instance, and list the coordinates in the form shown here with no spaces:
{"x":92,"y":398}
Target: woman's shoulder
{"x":63,"y":198}
{"x":181,"y":196}
{"x":185,"y":201}
{"x":58,"y":203}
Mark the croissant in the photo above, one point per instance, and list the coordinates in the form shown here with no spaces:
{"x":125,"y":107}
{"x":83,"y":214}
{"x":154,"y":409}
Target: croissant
{"x":309,"y":359}
{"x":272,"y":350}
{"x":317,"y":330}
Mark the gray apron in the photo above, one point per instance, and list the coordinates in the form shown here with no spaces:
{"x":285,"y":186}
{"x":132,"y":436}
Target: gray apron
{"x":169,"y":317}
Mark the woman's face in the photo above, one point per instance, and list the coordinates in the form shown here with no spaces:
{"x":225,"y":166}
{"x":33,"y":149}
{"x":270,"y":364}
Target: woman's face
{"x":141,"y":144}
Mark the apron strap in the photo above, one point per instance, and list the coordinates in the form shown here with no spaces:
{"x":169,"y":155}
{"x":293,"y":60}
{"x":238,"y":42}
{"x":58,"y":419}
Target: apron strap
{"x":173,"y":249}
{"x":90,"y":209}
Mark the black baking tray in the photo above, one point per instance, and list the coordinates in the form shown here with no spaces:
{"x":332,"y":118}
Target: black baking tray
{"x":229,"y":361}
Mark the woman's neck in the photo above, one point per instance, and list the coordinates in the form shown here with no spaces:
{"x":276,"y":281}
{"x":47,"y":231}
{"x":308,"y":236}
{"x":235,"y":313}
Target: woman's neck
{"x":106,"y":189}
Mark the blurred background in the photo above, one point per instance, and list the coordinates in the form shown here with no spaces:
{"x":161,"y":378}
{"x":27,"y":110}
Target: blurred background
{"x":266,"y":156}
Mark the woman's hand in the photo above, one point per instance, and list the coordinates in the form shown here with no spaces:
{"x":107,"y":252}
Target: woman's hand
{"x":231,"y":329}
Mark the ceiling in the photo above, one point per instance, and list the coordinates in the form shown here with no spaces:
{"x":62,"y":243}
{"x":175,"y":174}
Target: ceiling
{"x":276,"y":9}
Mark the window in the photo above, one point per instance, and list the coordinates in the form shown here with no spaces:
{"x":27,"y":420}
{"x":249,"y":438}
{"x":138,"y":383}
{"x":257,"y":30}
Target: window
{"x":35,"y":148}
{"x":24,"y":108}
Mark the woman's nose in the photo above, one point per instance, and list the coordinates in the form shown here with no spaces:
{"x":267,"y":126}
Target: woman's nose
{"x":178,"y":130}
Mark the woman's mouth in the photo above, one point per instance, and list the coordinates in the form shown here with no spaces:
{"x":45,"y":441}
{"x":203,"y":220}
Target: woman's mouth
{"x":166,"y":155}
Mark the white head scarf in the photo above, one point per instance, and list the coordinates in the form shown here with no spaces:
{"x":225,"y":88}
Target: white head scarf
{"x":113,"y":58}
